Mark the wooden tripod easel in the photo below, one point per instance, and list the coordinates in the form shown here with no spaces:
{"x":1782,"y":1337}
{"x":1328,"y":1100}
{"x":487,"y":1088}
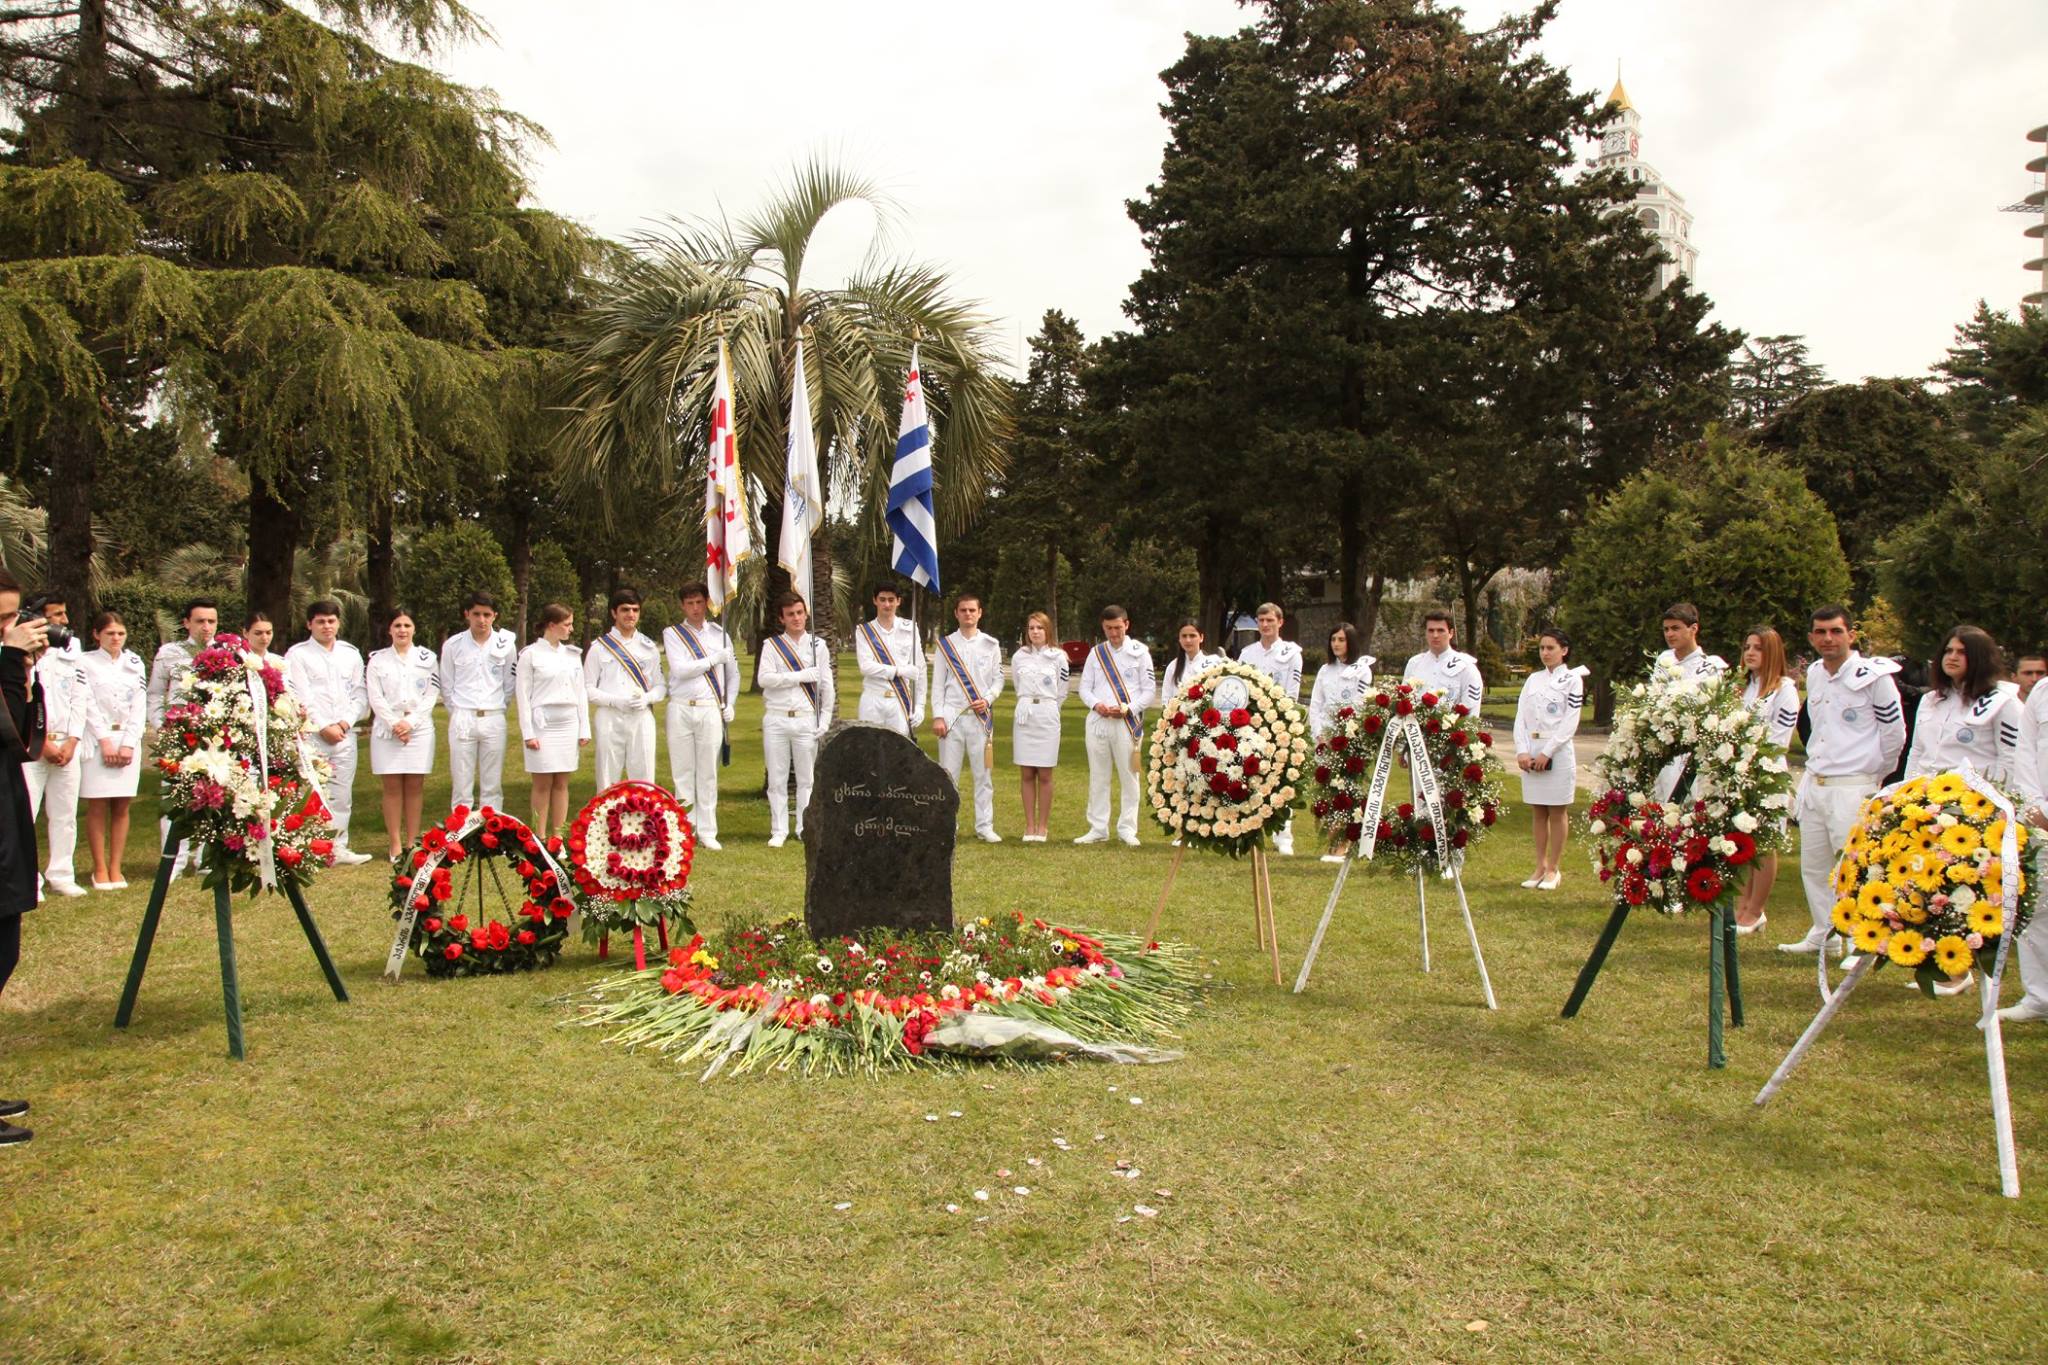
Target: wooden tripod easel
{"x":224,"y":932}
{"x":1262,"y":902}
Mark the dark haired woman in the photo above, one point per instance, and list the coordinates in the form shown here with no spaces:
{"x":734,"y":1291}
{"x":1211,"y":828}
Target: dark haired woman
{"x":1545,"y":720}
{"x":117,"y":700}
{"x":403,"y":689}
{"x":554,"y":715}
{"x":1190,"y":660}
{"x":1968,"y":717}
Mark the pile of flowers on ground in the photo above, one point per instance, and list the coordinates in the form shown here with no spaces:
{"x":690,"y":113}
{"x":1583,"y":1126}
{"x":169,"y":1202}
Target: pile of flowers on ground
{"x":1227,"y":758}
{"x":229,"y":794}
{"x":1407,"y":834}
{"x":630,"y":851}
{"x":1922,"y":878}
{"x":1693,"y":846}
{"x":486,"y":921}
{"x":776,"y":998}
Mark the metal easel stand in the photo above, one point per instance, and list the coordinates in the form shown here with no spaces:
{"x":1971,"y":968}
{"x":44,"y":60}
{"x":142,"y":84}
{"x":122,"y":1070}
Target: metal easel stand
{"x":1422,"y":923}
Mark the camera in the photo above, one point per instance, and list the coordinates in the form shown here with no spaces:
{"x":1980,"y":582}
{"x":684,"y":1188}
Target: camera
{"x":59,"y":636}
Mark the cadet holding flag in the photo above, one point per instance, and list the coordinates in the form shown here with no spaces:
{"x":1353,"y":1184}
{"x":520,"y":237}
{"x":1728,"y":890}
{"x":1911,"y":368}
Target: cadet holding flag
{"x":703,"y":688}
{"x":967,"y":677}
{"x":892,"y":689}
{"x":796,"y":683}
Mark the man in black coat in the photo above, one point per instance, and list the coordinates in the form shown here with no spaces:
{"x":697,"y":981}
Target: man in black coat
{"x":21,"y":734}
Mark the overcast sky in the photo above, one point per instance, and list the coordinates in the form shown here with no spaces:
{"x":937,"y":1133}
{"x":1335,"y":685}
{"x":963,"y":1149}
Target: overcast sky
{"x":1844,"y":159}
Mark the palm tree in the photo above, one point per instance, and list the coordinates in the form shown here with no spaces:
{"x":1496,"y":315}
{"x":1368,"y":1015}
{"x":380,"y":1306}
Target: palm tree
{"x":644,"y":351}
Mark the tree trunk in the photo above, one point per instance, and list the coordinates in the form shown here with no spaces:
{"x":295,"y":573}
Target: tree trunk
{"x":520,"y":552}
{"x":74,"y":441}
{"x":822,"y":615}
{"x":1349,"y":551}
{"x":1368,"y":618}
{"x":380,"y":569}
{"x":1051,"y":594}
{"x":1468,"y":597}
{"x":89,"y":130}
{"x":273,"y":540}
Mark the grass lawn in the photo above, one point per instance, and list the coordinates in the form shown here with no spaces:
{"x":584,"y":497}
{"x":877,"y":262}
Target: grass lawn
{"x":1377,"y":1169}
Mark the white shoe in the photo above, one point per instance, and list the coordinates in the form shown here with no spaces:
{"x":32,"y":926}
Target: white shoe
{"x":777,"y":840}
{"x":105,"y":886}
{"x":1761,"y":921}
{"x":1849,"y":963}
{"x":1128,"y":840}
{"x":1956,"y":986}
{"x":1806,"y":946}
{"x":988,"y":836}
{"x":348,"y":857}
{"x":2023,"y":1012}
{"x":1551,"y":882}
{"x":708,"y":842}
{"x":1032,"y":839}
{"x":1532,"y":883}
{"x":1338,"y":858}
{"x":1091,"y":837}
{"x":66,"y":888}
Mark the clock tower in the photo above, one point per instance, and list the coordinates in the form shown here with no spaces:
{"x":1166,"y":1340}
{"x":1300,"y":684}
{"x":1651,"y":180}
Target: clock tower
{"x":1657,"y":206}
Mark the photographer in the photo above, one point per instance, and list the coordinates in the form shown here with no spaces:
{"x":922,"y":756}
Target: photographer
{"x":21,"y":735}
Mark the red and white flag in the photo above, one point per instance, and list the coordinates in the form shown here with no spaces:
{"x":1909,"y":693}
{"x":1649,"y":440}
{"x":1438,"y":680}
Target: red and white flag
{"x":726,"y":542}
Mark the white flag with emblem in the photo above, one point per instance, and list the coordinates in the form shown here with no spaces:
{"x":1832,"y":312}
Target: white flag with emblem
{"x":803,"y":499}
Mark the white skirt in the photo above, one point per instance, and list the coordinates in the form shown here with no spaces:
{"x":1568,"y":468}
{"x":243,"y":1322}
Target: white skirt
{"x":1035,"y":733}
{"x":96,"y":781}
{"x":389,"y":757}
{"x":560,"y":727}
{"x":1555,"y":785}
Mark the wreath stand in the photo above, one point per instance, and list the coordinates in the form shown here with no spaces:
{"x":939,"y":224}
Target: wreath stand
{"x":1724,"y":978}
{"x":1994,"y":1051}
{"x":604,"y":944}
{"x":1262,"y":902}
{"x":1421,"y":920}
{"x":224,"y":932}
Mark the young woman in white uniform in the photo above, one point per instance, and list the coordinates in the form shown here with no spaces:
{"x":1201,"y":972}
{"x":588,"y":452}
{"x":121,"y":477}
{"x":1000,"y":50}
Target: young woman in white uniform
{"x":1340,"y":682}
{"x":1040,"y":675}
{"x":403,"y":689}
{"x":117,"y":705}
{"x":1189,"y":661}
{"x":1546,"y":719}
{"x":554,"y":715}
{"x":1772,"y":697}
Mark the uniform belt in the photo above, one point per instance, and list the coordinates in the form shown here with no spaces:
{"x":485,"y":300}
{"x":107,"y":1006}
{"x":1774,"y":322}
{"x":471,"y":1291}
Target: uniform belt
{"x":698,"y":701}
{"x":487,"y":711}
{"x":1845,"y":779}
{"x":1037,"y":699}
{"x":796,"y":711}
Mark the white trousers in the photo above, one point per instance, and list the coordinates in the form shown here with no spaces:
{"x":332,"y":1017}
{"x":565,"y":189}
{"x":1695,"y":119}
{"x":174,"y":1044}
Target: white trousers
{"x":625,"y":746}
{"x":1826,"y":815}
{"x":885,"y":711}
{"x":57,"y":786}
{"x":694,"y":734}
{"x":791,"y":742}
{"x":966,"y":739}
{"x":340,"y":791}
{"x":476,"y":758}
{"x":1109,"y":753}
{"x":2032,"y":947}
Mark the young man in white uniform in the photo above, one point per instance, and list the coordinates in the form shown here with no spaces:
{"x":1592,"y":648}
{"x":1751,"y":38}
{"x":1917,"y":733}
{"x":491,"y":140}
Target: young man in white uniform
{"x":1443,"y":669}
{"x":2030,"y":775}
{"x":1279,"y":660}
{"x":1117,"y":684}
{"x":892,"y":687}
{"x":327,"y":674}
{"x":967,"y":677}
{"x":703,"y":690}
{"x":1858,"y":732}
{"x":201,"y":618}
{"x":477,"y":667}
{"x":622,"y":672}
{"x":796,"y":685}
{"x":1682,"y":653}
{"x":53,"y":777}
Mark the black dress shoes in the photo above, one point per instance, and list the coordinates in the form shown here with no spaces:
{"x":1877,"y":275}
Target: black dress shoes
{"x":9,"y":1134}
{"x":9,"y":1108}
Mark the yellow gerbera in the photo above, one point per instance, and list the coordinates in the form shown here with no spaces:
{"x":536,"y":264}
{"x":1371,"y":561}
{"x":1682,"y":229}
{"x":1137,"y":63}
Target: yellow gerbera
{"x":1963,"y":874}
{"x":1994,"y":833}
{"x":1923,"y":844}
{"x":1911,"y":791}
{"x":1975,"y":805}
{"x":1845,"y":877}
{"x":1870,"y":937}
{"x":1874,"y":898}
{"x":1907,"y":948}
{"x":1946,"y":788}
{"x":1914,"y":815}
{"x":1910,"y":909}
{"x":1895,"y":845}
{"x":1846,"y":916}
{"x":1961,"y":840}
{"x":1952,"y":955}
{"x":1986,"y":919}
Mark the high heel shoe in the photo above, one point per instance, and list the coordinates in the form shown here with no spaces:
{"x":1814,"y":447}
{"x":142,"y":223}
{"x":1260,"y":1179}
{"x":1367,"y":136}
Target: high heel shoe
{"x":1761,"y":921}
{"x":1551,"y":882}
{"x":1532,"y":883}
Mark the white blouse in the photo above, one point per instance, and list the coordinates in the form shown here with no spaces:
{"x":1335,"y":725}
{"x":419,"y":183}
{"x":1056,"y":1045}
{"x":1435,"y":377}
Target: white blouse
{"x":1180,"y":669}
{"x":1337,"y":686}
{"x":1949,"y":733}
{"x":117,"y":697}
{"x":1547,"y":716}
{"x":1779,"y":711}
{"x":550,"y":675}
{"x":402,"y":688}
{"x":1041,"y":672}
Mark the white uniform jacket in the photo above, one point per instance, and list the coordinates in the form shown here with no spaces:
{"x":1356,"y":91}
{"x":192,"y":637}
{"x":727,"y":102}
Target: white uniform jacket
{"x":1452,"y":674}
{"x":329,"y":681}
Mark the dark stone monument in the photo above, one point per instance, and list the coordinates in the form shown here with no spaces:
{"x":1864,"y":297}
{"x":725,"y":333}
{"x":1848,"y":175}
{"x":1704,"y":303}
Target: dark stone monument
{"x":878,"y":835}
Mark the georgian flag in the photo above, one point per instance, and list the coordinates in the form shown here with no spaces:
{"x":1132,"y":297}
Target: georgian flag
{"x":803,"y":497}
{"x":726,"y":542}
{"x":914,"y":532}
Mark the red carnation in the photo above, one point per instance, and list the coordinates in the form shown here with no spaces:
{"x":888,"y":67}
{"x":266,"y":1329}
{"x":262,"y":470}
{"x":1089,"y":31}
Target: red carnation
{"x":1385,"y":830}
{"x":432,"y":925}
{"x":1461,"y":837}
{"x":1354,"y":765}
{"x":321,"y":847}
{"x":452,"y":951}
{"x":1383,"y":700}
{"x":1208,"y":765}
{"x":1459,"y":738}
{"x":1473,"y":772}
{"x":1488,"y":814}
{"x":1345,"y":713}
{"x":1194,"y":694}
{"x":1433,"y":726}
{"x":1374,"y":724}
{"x":1353,"y":832}
{"x":1251,"y":765}
{"x":1406,"y":810}
{"x":1177,"y":719}
{"x":1404,"y":707}
{"x":1338,"y":743}
{"x":1227,"y":742}
{"x":1240,"y":717}
{"x":1455,"y":799}
{"x":1345,"y":801}
{"x":1323,"y":777}
{"x":1212,"y":717}
{"x":1219,"y":784}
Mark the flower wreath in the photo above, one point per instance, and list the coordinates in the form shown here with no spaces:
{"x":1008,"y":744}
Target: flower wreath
{"x":1681,"y":839}
{"x":1354,"y":761}
{"x":630,"y":850}
{"x":1922,"y":880}
{"x":239,"y":786}
{"x":1227,"y":754}
{"x":446,"y":933}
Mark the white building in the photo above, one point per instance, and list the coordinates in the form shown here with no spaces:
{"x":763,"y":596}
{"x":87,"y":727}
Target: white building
{"x":1660,"y":208}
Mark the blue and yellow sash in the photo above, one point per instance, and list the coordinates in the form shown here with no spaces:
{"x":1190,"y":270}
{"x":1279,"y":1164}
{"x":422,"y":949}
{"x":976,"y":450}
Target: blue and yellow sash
{"x":1107,"y":661}
{"x":961,"y":676}
{"x":881,"y":651}
{"x":696,"y":648}
{"x":618,"y":652}
{"x":789,"y":657}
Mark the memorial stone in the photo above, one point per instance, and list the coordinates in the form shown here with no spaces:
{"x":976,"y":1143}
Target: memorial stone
{"x":878,"y":836}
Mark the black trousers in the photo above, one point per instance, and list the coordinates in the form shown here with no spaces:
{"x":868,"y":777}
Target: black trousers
{"x":10,"y":946}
